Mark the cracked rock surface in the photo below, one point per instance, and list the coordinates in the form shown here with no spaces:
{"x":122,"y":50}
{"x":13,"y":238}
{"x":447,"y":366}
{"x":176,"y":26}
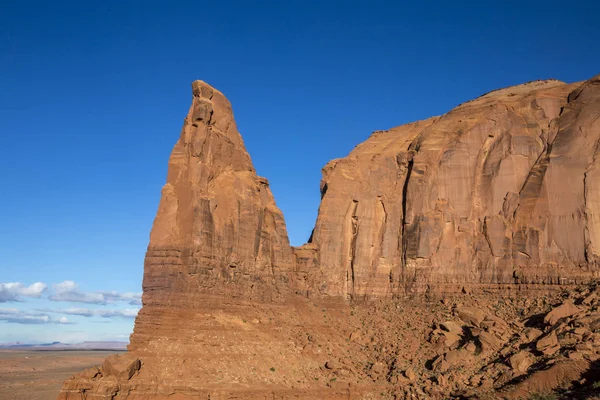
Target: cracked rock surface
{"x":444,"y":262}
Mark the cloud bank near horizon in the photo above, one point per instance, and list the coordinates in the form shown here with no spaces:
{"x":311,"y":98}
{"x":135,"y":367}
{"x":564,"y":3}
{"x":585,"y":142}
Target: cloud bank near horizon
{"x":66,"y":291}
{"x":87,"y":312}
{"x":14,"y":315}
{"x":69,"y":291}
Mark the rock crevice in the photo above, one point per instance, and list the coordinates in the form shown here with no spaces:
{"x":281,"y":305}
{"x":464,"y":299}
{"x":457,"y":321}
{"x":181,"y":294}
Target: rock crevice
{"x":500,"y":193}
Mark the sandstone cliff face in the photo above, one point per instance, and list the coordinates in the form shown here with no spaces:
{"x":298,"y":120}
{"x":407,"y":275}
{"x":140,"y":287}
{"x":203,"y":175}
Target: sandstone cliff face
{"x":502,"y":191}
{"x":217,"y":226}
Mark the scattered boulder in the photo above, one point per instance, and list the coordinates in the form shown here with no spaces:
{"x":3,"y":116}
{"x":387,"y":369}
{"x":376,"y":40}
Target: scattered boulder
{"x":548,"y":344}
{"x":455,"y":357}
{"x":521,"y":361}
{"x":471,"y":347}
{"x":451,"y":339}
{"x":439,"y":364}
{"x":504,"y":377}
{"x":410,"y":374}
{"x":575,"y":355}
{"x":564,"y":310}
{"x":589,"y":299}
{"x":487,"y":341}
{"x":451,"y":359}
{"x":470,"y":315}
{"x":452,"y":327}
{"x":377,"y":369}
{"x":89,"y":373}
{"x":586,"y":346}
{"x":531,"y":334}
{"x":475,"y":380}
{"x":121,"y":366}
{"x":441,"y":380}
{"x":580,"y":331}
{"x":583,"y":321}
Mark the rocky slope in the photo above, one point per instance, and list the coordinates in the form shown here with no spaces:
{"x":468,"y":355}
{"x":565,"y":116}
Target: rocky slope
{"x":496,"y":198}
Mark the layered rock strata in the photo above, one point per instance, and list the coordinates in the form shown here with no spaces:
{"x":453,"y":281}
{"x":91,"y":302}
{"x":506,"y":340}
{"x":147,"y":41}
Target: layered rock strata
{"x":501,"y":192}
{"x":217,"y":229}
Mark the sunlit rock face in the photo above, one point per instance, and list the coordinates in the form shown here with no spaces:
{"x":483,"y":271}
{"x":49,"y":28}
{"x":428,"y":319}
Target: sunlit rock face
{"x":502,"y":192}
{"x":217,"y":229}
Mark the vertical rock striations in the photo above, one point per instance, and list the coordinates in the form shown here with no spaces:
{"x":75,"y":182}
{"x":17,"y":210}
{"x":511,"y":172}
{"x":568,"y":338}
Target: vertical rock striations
{"x":217,"y":228}
{"x":503,"y":191}
{"x":218,"y":251}
{"x":498,"y":191}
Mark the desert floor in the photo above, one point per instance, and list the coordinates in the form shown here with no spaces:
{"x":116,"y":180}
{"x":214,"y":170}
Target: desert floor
{"x":38,"y":375}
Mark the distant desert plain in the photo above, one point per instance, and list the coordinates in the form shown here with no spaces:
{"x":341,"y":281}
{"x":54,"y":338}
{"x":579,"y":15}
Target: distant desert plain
{"x":39,"y":374}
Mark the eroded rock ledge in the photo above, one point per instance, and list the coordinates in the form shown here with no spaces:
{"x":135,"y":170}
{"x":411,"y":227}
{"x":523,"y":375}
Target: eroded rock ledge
{"x":497,"y":196}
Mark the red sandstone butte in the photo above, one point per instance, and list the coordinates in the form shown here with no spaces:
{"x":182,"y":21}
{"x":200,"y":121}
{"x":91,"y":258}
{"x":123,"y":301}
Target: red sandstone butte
{"x":500,"y":194}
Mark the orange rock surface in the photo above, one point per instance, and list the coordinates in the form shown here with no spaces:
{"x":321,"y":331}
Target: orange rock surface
{"x":501,"y":194}
{"x":501,"y":190}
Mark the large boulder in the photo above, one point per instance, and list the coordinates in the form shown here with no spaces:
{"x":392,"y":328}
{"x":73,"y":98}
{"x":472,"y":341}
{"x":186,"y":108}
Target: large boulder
{"x":548,"y":344}
{"x":121,"y":366}
{"x":566,"y":309}
{"x":521,"y":361}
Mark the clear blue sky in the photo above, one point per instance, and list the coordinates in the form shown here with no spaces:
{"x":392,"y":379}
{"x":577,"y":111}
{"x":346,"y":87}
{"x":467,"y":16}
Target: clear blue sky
{"x":93,"y":95}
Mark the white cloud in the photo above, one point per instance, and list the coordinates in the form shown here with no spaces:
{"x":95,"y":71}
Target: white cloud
{"x":104,"y":313}
{"x":69,"y":291}
{"x":11,"y":291}
{"x":131,"y":297}
{"x":34,"y":290}
{"x":16,"y":316}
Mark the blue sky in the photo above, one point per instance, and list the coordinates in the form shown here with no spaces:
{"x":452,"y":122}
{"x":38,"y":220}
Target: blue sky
{"x":93,"y":95}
